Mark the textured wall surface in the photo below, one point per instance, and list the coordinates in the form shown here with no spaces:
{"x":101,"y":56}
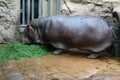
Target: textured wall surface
{"x":100,"y":8}
{"x":9,"y":20}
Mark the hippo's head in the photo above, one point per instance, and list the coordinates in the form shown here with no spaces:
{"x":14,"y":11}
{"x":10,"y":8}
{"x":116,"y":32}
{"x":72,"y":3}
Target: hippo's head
{"x":32,"y":35}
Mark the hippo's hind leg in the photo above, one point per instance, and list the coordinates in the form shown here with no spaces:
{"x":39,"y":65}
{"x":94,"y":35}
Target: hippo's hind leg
{"x":94,"y":55}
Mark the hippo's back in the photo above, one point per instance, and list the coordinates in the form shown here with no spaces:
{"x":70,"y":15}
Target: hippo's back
{"x":83,"y":32}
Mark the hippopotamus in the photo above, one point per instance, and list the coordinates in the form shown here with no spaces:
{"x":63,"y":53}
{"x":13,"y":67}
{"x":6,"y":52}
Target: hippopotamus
{"x":88,"y":33}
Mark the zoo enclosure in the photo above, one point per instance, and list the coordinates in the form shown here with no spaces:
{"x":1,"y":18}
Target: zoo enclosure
{"x":31,"y":9}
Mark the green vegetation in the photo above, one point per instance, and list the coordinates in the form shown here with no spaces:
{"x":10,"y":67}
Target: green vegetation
{"x":16,"y":51}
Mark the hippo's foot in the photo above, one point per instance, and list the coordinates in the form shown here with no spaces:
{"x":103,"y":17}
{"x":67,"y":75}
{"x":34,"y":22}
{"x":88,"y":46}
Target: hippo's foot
{"x":56,"y":52}
{"x":93,"y":56}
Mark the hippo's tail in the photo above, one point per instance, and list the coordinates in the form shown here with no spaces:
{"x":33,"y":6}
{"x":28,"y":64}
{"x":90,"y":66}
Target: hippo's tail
{"x":113,"y":33}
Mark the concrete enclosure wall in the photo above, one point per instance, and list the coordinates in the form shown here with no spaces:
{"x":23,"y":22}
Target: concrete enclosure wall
{"x":100,"y":8}
{"x":9,"y":20}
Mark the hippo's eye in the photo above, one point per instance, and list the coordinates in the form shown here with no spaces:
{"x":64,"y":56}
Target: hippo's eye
{"x":28,"y":34}
{"x":31,"y":35}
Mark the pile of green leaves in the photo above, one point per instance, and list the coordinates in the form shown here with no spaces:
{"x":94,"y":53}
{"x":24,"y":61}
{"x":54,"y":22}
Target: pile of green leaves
{"x":17,"y":50}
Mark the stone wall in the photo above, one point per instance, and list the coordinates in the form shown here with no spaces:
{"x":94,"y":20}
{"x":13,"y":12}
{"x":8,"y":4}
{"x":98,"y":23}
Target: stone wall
{"x":9,"y":20}
{"x":100,"y":8}
{"x":10,"y":13}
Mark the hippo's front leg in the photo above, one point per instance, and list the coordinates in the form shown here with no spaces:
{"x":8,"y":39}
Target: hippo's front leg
{"x":59,"y":48}
{"x":56,"y":52}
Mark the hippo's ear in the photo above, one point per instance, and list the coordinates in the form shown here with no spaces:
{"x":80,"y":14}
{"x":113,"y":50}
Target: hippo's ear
{"x":29,"y":31}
